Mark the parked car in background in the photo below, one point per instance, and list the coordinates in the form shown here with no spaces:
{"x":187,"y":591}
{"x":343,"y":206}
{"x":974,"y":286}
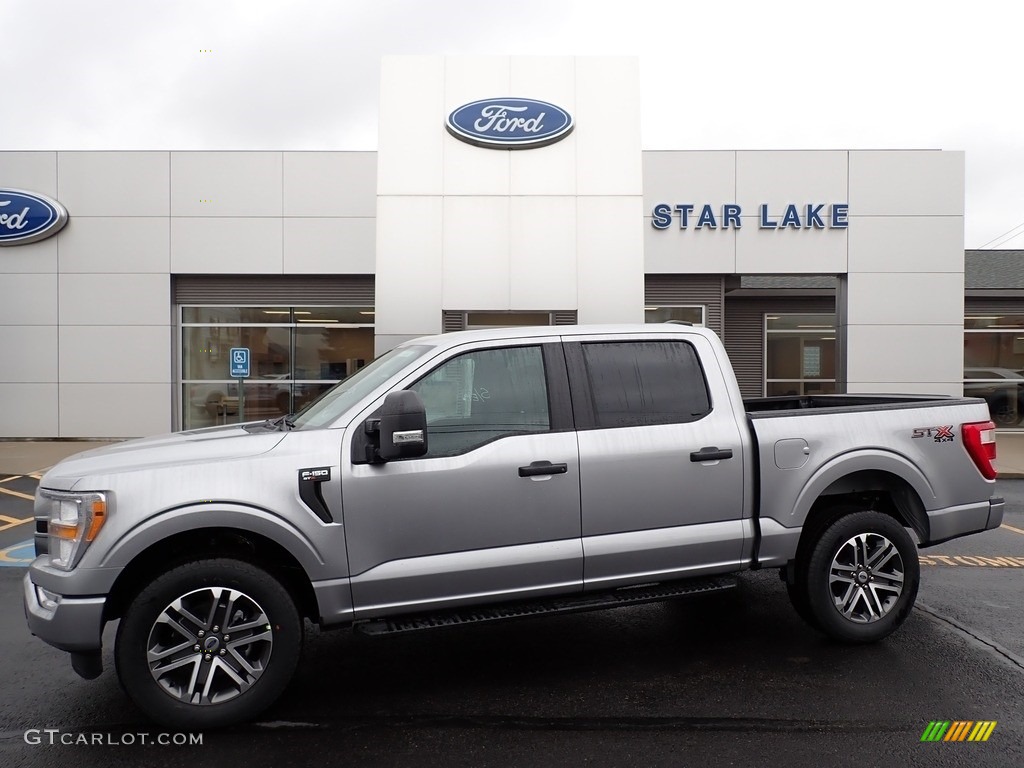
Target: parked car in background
{"x":266,"y":397}
{"x":1005,"y":397}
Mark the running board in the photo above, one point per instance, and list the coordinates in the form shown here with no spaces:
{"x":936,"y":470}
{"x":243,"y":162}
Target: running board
{"x":646,"y":593}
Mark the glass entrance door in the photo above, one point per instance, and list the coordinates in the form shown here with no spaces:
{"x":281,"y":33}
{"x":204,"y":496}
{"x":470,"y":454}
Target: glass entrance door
{"x":295,"y":353}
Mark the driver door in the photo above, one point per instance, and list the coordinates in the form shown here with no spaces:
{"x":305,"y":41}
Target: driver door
{"x":492,"y":511}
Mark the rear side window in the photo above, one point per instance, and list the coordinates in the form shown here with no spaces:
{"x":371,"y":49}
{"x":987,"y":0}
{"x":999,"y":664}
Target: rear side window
{"x":640,"y":383}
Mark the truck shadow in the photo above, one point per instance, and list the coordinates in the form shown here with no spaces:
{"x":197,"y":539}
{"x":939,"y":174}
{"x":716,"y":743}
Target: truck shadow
{"x":549,"y":664}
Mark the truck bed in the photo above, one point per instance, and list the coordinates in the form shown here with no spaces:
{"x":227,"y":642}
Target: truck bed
{"x":761,"y":406}
{"x":905,"y":445}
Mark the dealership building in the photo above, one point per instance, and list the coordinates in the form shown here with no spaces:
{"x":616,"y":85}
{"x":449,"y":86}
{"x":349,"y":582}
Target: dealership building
{"x":504,"y":191}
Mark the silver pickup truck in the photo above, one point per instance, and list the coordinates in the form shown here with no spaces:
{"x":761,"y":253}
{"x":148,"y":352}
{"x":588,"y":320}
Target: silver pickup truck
{"x":489,"y":475}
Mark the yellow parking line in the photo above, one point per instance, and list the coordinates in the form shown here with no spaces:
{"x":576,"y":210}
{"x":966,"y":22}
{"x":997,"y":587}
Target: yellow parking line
{"x":8,"y":519}
{"x":8,"y":479}
{"x":16,"y":523}
{"x":1011,"y":528}
{"x":34,"y":476}
{"x":18,"y":494}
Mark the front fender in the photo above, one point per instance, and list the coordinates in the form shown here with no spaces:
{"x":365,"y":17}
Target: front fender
{"x":224,"y":515}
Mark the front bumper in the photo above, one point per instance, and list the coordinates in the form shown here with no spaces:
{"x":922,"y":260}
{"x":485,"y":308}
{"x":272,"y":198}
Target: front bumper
{"x":953,"y":522}
{"x":74,"y":624}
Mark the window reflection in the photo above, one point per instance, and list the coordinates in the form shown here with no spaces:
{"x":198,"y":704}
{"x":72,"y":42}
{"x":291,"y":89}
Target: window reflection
{"x":994,"y":365}
{"x":296,"y":353}
{"x":205,"y":350}
{"x":693,"y":315}
{"x":800,"y":354}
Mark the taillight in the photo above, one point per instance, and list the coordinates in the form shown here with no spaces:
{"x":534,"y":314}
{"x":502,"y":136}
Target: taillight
{"x":980,"y":442}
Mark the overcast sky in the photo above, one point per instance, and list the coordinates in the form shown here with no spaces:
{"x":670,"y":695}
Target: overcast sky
{"x":717,"y":74}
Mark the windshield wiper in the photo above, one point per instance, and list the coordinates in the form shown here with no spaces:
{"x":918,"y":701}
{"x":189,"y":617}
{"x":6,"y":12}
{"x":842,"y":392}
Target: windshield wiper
{"x":281,"y":423}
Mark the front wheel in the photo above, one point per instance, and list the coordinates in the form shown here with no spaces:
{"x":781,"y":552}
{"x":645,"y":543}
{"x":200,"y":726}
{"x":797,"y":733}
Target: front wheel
{"x":208,"y":644}
{"x":862,"y":577}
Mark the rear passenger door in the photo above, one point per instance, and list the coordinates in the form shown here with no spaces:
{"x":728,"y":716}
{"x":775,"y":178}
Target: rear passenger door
{"x":661,"y":459}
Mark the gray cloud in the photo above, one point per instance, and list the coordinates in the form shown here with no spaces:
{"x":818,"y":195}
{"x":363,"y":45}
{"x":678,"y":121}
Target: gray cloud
{"x":734,"y":74}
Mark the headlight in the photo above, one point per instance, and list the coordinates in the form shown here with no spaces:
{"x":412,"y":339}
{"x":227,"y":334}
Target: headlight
{"x":74,"y":520}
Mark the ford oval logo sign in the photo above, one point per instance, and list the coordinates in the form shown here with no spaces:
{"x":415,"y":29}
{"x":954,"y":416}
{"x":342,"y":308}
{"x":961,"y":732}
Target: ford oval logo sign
{"x":509,"y":123}
{"x":26,"y":217}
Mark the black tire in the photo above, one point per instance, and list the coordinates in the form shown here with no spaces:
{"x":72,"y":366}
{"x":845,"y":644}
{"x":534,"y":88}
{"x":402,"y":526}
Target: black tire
{"x":862,"y":577}
{"x":798,"y":596}
{"x":240,"y":668}
{"x":796,"y":578}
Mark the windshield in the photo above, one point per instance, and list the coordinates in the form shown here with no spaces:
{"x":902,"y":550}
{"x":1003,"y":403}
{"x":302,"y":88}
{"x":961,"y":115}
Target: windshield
{"x":335,"y":401}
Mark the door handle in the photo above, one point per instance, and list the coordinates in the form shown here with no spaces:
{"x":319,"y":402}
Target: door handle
{"x":711,"y":453}
{"x":543,"y":468}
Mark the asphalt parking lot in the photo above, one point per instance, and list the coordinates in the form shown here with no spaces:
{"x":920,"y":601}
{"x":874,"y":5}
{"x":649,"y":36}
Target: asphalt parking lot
{"x":735,"y":680}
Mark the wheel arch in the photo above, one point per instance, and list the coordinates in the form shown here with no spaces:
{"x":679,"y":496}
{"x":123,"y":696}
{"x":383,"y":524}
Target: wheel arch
{"x":159,"y":556}
{"x":878,"y":480}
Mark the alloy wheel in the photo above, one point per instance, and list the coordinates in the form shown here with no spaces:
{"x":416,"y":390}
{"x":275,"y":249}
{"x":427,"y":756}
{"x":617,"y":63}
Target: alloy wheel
{"x":209,"y":645}
{"x":866,"y":578}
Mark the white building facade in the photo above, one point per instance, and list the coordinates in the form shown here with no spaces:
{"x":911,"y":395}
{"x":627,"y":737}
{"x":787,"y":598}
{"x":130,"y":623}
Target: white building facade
{"x":822,"y":270}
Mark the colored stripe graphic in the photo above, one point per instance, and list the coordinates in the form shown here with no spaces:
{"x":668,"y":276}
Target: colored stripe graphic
{"x":958,"y":730}
{"x":982,"y":730}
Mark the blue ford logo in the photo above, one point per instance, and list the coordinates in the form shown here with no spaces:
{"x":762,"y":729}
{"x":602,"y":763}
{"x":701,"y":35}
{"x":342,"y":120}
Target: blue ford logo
{"x":26,"y":217}
{"x":509,"y":123}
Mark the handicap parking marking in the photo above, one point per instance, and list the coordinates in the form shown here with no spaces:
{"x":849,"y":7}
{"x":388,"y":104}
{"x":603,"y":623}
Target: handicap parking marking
{"x":19,"y":555}
{"x":11,"y":522}
{"x":19,"y":494}
{"x":18,"y":486}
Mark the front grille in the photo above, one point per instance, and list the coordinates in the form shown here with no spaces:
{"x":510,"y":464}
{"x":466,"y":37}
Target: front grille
{"x":42,"y":538}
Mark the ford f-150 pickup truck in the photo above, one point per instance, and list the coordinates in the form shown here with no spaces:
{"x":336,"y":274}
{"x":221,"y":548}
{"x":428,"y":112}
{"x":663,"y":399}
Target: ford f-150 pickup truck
{"x":486,"y":475}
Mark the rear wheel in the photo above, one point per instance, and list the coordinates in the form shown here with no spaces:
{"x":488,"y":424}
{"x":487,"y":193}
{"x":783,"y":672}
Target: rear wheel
{"x":862,"y":577}
{"x":208,"y":644}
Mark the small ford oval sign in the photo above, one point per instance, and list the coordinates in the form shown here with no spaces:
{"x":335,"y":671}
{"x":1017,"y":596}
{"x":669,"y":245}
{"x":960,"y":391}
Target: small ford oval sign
{"x":509,"y":123}
{"x":26,"y":217}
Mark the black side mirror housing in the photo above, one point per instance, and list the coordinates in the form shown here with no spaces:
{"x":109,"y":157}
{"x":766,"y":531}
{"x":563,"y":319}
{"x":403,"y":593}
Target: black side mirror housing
{"x":403,"y":426}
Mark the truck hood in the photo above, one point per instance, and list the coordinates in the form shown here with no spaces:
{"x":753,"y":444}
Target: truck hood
{"x":178,"y":448}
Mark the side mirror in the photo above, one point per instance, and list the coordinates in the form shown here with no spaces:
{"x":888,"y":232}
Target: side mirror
{"x":403,"y":426}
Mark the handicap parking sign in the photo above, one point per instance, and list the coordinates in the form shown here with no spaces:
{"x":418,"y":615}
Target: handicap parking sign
{"x":239,"y":362}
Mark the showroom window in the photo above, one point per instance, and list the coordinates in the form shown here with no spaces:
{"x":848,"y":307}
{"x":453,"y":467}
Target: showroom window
{"x":692,"y":314}
{"x":800,"y":354}
{"x":994,"y":365}
{"x":295,"y":354}
{"x":480,"y":320}
{"x":460,"y":320}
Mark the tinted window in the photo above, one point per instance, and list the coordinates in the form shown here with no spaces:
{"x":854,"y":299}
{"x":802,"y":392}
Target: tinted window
{"x":645,"y":382}
{"x":480,"y":396}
